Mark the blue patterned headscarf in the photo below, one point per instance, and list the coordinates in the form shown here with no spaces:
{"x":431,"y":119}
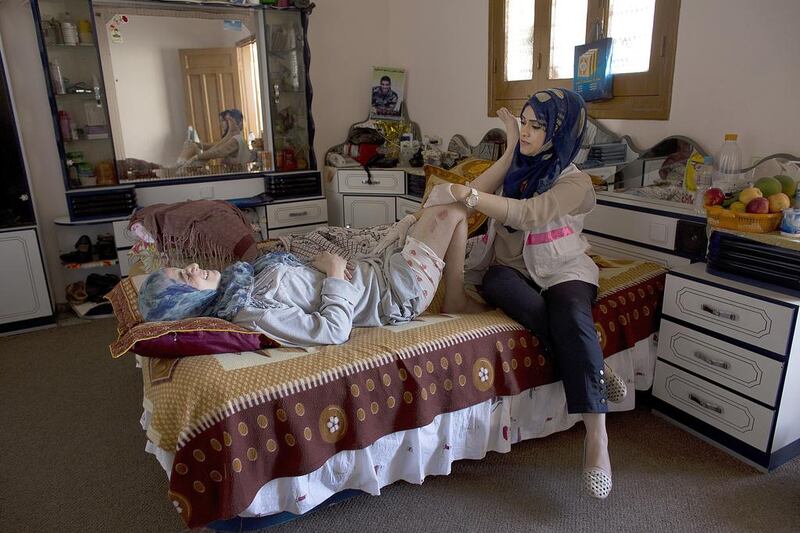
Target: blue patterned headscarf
{"x":163,"y":298}
{"x":563,"y":113}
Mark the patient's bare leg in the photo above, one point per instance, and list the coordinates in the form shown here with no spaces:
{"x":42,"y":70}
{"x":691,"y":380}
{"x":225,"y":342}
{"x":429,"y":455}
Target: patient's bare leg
{"x":444,"y":229}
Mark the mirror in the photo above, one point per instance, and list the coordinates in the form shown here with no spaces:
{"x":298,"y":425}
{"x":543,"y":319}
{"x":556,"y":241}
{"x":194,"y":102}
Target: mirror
{"x":184,"y":88}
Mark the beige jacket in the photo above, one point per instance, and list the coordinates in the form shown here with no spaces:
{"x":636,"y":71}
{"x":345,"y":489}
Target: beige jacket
{"x":548,"y":245}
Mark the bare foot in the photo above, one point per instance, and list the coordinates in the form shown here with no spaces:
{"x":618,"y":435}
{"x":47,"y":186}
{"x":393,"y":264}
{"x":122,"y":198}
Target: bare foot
{"x":464,"y":305}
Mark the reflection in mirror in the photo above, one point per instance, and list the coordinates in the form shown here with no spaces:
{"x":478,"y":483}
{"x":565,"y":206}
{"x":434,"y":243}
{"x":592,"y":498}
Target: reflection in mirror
{"x":184,"y":88}
{"x":658,"y":172}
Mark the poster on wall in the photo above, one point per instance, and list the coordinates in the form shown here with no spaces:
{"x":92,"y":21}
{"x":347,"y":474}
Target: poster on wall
{"x":387,"y":93}
{"x":592,"y":77}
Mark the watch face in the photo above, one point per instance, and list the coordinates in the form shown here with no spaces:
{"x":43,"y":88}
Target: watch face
{"x":472,"y":199}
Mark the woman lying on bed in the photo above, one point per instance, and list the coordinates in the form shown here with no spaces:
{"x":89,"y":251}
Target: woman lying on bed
{"x":302,"y":305}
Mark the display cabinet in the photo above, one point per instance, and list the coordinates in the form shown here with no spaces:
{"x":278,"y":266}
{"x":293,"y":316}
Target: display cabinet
{"x":289,"y":89}
{"x":23,"y":285}
{"x":147,"y":93}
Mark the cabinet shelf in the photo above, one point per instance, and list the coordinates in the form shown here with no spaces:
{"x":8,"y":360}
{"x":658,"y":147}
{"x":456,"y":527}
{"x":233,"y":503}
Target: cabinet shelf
{"x":108,"y":138}
{"x":99,"y":263}
{"x":83,"y":310}
{"x":61,"y":46}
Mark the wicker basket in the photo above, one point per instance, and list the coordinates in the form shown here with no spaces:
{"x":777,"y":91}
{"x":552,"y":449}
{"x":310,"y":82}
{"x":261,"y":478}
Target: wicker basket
{"x":719,"y":217}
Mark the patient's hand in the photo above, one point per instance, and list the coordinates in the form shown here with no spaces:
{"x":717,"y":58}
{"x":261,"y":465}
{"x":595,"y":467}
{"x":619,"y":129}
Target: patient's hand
{"x":334,"y":266}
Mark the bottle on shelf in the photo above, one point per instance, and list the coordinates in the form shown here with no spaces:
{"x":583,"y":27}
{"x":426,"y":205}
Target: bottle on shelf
{"x":702,"y":179}
{"x":728,"y":168}
{"x":64,"y":125}
{"x":68,"y":30}
{"x":85,"y":32}
{"x":57,"y":78}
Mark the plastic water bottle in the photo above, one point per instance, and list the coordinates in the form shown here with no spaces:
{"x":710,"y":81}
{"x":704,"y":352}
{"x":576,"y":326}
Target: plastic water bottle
{"x":728,"y":169}
{"x":702,"y":179}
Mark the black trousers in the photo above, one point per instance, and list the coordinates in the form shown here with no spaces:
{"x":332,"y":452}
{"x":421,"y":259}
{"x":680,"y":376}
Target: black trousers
{"x":561,"y":318}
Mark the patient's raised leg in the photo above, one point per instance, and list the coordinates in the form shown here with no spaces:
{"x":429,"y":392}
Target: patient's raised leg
{"x":444,"y":229}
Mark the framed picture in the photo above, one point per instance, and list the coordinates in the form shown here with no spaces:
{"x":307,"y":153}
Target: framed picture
{"x":388,"y":88}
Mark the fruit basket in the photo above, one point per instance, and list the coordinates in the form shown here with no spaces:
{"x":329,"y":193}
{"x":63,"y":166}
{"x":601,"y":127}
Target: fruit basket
{"x":719,"y":217}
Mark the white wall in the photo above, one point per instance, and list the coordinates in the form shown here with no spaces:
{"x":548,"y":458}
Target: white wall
{"x":736,"y":70}
{"x":347,"y":38}
{"x":149,"y":80}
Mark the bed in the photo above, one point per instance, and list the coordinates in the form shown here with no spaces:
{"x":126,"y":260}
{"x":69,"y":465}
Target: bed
{"x":258,"y":433}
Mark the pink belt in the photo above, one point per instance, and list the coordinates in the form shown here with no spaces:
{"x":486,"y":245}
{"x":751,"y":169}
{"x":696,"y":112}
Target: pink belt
{"x":549,"y":236}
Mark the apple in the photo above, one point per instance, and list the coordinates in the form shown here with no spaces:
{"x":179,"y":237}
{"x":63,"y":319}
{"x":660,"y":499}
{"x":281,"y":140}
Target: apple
{"x":713,"y":196}
{"x":758,"y":205}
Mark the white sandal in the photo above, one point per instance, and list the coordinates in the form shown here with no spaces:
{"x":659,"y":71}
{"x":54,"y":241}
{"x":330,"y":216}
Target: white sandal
{"x":596,"y":481}
{"x":616,"y":390}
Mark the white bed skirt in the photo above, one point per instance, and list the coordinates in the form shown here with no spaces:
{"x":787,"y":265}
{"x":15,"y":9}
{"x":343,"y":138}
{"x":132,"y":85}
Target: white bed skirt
{"x":411,"y":455}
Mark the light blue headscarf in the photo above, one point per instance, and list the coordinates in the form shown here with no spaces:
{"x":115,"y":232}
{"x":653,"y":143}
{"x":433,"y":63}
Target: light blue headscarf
{"x":163,"y":298}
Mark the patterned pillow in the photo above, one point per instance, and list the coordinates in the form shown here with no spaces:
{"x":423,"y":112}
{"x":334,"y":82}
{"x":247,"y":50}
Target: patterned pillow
{"x":178,"y":338}
{"x":191,"y":336}
{"x":462,"y":174}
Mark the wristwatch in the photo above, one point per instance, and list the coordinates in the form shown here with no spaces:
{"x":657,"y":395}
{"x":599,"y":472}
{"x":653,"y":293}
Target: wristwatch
{"x":472,"y":198}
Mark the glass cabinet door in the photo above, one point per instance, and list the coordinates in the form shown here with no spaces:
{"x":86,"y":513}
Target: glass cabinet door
{"x":16,"y":207}
{"x":80,"y":113}
{"x":288,"y":99}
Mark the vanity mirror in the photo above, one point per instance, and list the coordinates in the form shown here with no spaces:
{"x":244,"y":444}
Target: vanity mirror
{"x":184,"y":86}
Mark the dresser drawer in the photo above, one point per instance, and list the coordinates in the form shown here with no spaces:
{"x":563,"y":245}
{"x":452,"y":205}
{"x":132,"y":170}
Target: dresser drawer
{"x":406,"y":207}
{"x":383,"y":182}
{"x":725,"y":410}
{"x":737,"y":368}
{"x":735,"y":315}
{"x":123,"y":237}
{"x":296,"y":213}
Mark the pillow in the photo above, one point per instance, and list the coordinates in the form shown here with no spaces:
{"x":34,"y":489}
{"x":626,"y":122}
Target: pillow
{"x":462,"y":174}
{"x":177,"y":338}
{"x":187,"y":337}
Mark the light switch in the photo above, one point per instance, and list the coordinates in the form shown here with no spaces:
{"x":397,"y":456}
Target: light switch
{"x":658,"y":232}
{"x":207,"y":191}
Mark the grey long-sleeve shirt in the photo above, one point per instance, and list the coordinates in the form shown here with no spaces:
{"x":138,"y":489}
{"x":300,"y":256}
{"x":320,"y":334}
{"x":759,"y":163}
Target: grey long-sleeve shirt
{"x":299,"y":306}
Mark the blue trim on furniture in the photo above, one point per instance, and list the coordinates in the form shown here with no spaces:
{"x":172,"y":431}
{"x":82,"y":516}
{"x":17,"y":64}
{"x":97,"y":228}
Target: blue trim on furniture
{"x":732,"y":289}
{"x":755,"y":282}
{"x":651,"y":211}
{"x":258,"y":522}
{"x":727,"y":388}
{"x":30,"y":323}
{"x":736,"y":342}
{"x":196,"y":179}
{"x":757,"y":456}
{"x":669,"y":251}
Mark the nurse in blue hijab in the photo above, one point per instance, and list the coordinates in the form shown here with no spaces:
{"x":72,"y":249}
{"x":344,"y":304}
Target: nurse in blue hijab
{"x":536,"y":267}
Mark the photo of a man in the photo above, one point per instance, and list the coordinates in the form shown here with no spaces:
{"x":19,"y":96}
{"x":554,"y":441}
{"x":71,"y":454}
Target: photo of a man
{"x":387,"y":93}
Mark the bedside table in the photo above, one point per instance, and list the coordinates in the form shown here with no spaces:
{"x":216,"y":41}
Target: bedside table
{"x":728,"y":367}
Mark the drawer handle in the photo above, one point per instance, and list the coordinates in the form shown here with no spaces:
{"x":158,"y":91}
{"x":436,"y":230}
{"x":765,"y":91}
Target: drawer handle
{"x":711,"y":361}
{"x":716,"y":312}
{"x":299,"y":214}
{"x":370,"y":182}
{"x":706,"y":405}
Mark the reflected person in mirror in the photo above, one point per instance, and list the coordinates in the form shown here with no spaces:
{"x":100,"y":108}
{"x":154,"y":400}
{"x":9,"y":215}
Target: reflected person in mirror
{"x":231,"y":148}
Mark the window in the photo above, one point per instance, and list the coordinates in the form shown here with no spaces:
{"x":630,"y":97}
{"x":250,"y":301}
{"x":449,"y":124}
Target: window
{"x":532,"y":44}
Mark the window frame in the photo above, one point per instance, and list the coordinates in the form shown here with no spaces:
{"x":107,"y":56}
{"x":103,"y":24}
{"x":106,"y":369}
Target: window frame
{"x":640,"y":95}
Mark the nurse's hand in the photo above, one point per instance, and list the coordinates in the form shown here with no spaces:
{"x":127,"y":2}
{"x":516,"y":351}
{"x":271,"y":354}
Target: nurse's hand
{"x":441,"y":194}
